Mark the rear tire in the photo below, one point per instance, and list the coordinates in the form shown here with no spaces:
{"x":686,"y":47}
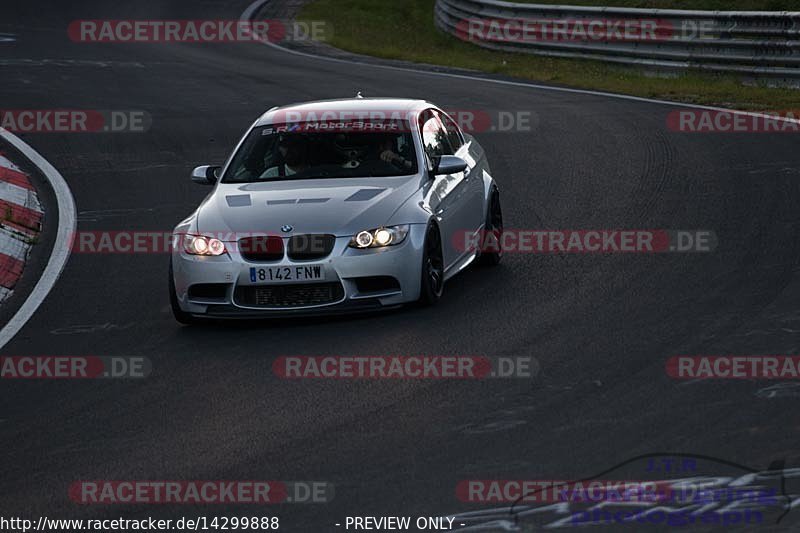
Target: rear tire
{"x":432,"y":282}
{"x":491,"y":251}
{"x":180,"y":315}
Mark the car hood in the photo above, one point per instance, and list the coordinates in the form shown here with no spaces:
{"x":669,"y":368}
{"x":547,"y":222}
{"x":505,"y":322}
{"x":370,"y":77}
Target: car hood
{"x":340,"y":207}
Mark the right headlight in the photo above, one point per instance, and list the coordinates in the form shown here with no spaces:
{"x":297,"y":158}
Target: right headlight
{"x":380,"y":237}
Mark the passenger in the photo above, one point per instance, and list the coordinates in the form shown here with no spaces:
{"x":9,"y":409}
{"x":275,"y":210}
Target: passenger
{"x":294,"y":154}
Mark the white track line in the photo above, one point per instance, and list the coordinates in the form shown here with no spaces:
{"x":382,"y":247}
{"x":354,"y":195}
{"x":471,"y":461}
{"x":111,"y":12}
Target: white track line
{"x":253,"y":8}
{"x":61,"y":248}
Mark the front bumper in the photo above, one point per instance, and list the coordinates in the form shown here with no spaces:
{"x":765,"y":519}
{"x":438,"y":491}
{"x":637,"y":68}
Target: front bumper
{"x":344,"y":269}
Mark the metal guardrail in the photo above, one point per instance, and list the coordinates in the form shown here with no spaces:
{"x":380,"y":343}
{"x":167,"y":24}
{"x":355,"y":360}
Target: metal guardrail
{"x":751,"y":43}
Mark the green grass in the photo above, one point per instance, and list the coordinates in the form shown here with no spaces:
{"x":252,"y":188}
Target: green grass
{"x":721,"y":5}
{"x":404,"y":29}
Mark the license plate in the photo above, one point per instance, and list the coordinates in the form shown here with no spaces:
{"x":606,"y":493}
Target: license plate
{"x":287,"y":274}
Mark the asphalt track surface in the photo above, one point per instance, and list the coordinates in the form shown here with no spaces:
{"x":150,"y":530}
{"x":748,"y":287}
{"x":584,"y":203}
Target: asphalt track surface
{"x":601,"y":327}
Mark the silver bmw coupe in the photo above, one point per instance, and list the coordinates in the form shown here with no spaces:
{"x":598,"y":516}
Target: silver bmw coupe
{"x":336,"y":206}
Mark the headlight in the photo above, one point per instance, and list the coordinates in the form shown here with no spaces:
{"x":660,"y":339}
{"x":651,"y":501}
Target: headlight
{"x":380,"y":237}
{"x":200,"y":245}
{"x":364,"y":239}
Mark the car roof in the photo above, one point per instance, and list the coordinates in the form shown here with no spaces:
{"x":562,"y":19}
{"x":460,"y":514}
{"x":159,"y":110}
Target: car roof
{"x":345,"y":105}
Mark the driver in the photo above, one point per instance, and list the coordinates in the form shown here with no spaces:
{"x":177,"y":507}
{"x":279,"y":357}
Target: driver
{"x":388,"y":155}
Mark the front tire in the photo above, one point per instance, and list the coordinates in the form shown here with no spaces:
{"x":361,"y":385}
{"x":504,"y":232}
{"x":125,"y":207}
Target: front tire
{"x":432,"y":282}
{"x":180,"y":315}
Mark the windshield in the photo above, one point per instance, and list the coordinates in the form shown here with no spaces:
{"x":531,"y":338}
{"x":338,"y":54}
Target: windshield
{"x":324,"y":150}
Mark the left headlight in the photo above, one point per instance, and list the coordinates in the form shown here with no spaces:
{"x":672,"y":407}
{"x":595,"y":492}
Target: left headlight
{"x":379,"y":237}
{"x":201,"y":245}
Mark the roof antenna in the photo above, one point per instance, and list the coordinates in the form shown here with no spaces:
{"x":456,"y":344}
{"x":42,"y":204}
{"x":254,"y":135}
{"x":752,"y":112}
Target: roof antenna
{"x":359,"y":95}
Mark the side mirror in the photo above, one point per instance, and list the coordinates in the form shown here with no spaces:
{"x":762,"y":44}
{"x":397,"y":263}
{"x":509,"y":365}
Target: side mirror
{"x":449,"y":164}
{"x":206,"y":175}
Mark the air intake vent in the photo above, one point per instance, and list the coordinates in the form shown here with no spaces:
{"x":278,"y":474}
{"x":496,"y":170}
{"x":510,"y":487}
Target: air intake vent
{"x":376,"y":284}
{"x":295,"y":295}
{"x":208,"y":291}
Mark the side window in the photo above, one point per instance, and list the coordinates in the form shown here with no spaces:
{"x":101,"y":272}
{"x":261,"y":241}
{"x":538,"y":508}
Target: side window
{"x":434,"y":136}
{"x":452,"y":131}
